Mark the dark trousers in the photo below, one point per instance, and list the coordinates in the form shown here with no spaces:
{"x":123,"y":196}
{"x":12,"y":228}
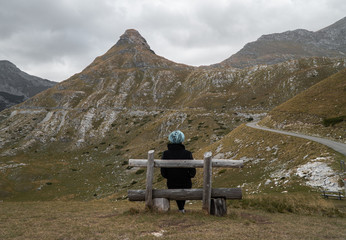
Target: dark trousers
{"x":185,"y":185}
{"x":181,"y":204}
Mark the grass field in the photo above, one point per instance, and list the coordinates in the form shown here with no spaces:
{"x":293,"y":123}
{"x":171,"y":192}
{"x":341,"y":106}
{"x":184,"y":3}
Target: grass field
{"x":104,"y":219}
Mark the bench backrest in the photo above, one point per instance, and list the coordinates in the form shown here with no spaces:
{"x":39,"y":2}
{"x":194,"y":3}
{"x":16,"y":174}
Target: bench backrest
{"x":207,"y":164}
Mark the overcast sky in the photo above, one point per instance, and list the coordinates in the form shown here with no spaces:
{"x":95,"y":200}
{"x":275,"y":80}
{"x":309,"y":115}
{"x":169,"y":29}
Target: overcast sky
{"x":55,"y":39}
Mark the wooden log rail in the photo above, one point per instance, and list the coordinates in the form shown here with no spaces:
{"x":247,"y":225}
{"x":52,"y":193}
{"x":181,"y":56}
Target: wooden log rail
{"x":186,"y":194}
{"x":204,"y":194}
{"x":186,"y":163}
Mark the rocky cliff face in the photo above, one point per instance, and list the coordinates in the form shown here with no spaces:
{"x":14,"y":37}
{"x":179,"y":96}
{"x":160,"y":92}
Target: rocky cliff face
{"x":280,"y":47}
{"x":77,"y":135}
{"x":17,"y":86}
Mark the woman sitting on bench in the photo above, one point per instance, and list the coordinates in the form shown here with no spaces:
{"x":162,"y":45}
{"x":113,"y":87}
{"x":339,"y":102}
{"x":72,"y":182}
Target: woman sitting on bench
{"x":178,"y":178}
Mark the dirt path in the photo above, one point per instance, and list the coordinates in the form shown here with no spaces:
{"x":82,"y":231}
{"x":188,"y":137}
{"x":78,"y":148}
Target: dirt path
{"x":337,"y":146}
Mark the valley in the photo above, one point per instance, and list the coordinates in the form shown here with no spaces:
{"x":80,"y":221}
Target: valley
{"x":73,"y":141}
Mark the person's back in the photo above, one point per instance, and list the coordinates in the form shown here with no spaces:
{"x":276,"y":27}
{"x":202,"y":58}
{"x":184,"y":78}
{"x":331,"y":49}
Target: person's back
{"x":178,"y":178}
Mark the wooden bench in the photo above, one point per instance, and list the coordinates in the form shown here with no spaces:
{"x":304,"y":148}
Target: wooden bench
{"x":333,"y":194}
{"x":213,"y":199}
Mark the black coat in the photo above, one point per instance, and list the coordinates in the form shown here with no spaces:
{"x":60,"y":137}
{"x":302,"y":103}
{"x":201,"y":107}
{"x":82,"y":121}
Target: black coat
{"x":178,"y":177}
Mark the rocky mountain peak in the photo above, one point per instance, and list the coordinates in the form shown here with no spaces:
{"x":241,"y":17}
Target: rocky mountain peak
{"x":338,"y":26}
{"x":133,"y":51}
{"x":4,"y":64}
{"x":133,"y":37}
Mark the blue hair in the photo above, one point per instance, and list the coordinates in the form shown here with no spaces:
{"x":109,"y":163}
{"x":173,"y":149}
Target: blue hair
{"x":176,"y":137}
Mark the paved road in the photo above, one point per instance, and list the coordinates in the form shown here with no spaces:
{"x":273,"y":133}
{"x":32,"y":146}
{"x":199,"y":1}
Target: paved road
{"x":337,"y":146}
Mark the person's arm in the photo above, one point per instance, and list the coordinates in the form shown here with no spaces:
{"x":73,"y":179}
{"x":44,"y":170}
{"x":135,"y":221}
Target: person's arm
{"x":192,"y":171}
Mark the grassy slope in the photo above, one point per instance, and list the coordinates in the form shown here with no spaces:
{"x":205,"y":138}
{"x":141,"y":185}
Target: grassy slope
{"x":100,"y":169}
{"x":97,"y":173}
{"x":306,"y":111}
{"x":268,"y":156}
{"x":56,"y":169}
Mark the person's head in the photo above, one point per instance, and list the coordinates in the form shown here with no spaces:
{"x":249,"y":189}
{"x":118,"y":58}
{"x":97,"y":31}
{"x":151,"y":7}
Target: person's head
{"x":176,"y":137}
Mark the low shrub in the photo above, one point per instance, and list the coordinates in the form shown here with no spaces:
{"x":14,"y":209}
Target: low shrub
{"x":140,"y":171}
{"x":332,"y":121}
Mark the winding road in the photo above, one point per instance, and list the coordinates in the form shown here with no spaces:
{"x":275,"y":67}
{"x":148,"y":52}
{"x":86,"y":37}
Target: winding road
{"x":337,"y":146}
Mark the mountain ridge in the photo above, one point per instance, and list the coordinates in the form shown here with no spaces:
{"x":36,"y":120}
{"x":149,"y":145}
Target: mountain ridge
{"x":280,"y":47}
{"x":17,"y":86}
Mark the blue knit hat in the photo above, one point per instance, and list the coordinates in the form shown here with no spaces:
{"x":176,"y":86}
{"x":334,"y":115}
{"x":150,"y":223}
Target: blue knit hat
{"x":176,"y":137}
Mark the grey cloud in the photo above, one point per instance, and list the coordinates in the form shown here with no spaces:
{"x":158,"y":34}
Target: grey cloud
{"x":55,"y":39}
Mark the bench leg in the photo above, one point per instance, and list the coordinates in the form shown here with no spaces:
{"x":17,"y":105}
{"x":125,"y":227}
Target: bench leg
{"x":161,"y":204}
{"x":218,"y":207}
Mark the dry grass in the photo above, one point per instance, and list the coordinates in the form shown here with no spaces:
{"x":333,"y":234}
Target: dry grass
{"x":266,"y":155}
{"x":126,"y":220}
{"x":298,"y":203}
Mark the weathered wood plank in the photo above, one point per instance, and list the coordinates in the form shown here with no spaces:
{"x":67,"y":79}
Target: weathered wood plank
{"x":184,"y":163}
{"x":186,"y":194}
{"x":150,"y":177}
{"x":207,"y":181}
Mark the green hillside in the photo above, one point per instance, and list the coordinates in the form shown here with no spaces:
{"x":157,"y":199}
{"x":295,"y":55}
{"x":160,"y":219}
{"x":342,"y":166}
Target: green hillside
{"x":319,"y":110}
